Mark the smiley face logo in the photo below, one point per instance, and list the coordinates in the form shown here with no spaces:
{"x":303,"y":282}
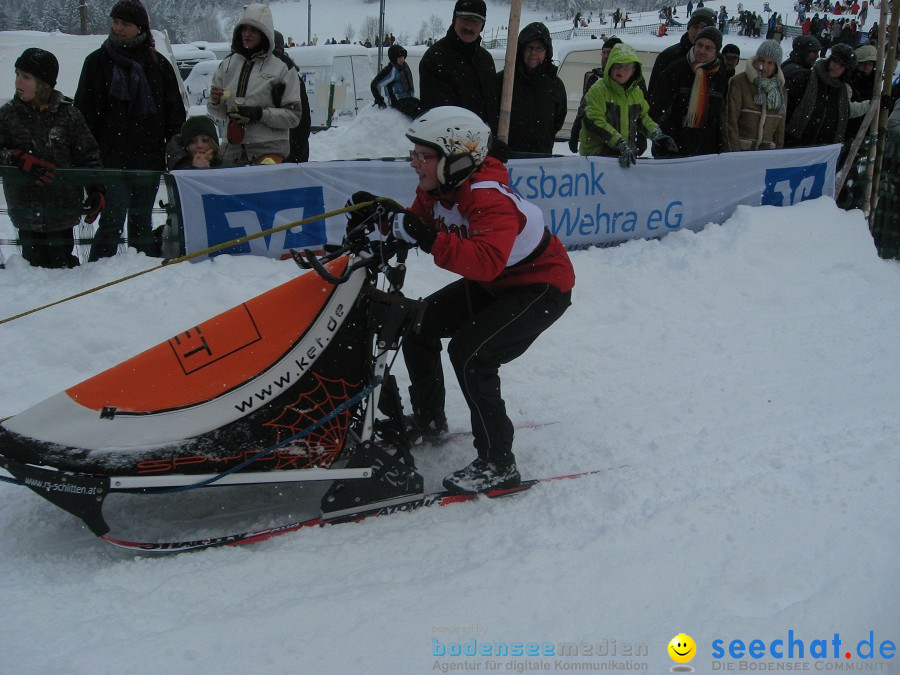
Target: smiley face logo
{"x":682,"y":648}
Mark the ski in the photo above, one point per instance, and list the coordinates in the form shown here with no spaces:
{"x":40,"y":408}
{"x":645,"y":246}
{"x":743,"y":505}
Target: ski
{"x":413,"y":503}
{"x":452,"y":436}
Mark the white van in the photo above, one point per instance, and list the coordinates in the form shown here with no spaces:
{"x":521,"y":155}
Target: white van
{"x":348,"y":67}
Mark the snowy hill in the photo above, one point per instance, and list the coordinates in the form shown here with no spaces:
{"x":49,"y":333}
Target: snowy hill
{"x":740,"y":384}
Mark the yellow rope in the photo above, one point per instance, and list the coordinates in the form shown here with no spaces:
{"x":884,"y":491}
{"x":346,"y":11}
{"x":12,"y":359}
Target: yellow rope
{"x":196,"y":254}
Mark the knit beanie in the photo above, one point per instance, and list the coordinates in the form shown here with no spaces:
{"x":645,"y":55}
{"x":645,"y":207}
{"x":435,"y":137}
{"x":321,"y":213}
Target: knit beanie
{"x":713,"y":34}
{"x":803,"y":44}
{"x":731,"y":49}
{"x":770,"y":49}
{"x":611,"y":42}
{"x":866,"y":53}
{"x":40,"y":63}
{"x":200,"y":124}
{"x":131,"y":11}
{"x":703,"y":16}
{"x":475,"y":9}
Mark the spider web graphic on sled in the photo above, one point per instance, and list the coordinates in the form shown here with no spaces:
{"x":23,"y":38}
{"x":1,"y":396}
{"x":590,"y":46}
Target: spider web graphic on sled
{"x":321,"y":446}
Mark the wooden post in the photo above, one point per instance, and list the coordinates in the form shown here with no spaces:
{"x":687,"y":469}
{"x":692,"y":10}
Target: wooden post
{"x":509,"y":68}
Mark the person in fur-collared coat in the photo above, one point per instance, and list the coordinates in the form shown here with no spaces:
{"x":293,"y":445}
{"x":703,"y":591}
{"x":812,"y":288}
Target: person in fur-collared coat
{"x":756,"y":103}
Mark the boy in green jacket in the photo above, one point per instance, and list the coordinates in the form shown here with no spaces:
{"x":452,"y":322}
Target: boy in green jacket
{"x":616,"y":111}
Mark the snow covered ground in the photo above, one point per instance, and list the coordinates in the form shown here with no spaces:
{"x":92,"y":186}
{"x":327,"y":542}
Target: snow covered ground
{"x":741,"y":385}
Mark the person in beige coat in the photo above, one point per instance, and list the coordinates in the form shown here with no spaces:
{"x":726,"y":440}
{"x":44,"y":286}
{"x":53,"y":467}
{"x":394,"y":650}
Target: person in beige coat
{"x":756,"y":103}
{"x":256,"y":92}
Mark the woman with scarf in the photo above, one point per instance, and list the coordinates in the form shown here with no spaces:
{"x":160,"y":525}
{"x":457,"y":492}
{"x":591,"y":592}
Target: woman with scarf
{"x":819,"y":104}
{"x":756,"y":103}
{"x":687,"y":102}
{"x":130,"y":99}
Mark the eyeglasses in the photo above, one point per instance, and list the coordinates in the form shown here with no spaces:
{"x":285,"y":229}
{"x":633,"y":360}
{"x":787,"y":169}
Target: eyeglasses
{"x":421,"y":156}
{"x":540,"y":49}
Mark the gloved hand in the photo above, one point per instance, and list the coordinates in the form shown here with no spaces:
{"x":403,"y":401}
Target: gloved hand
{"x":410,"y":228}
{"x":573,"y":144}
{"x":94,"y":204}
{"x":42,"y":171}
{"x":244,"y":114}
{"x":666,"y":143}
{"x":627,"y":153}
{"x":380,"y":102}
{"x":365,"y":214}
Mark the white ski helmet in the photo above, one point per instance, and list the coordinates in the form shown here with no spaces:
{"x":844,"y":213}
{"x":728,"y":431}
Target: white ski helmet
{"x":459,"y":136}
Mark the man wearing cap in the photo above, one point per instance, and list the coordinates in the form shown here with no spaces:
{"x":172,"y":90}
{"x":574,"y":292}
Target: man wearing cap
{"x":731,"y":56}
{"x":131,"y":101}
{"x":457,"y":70}
{"x":804,"y":53}
{"x":700,"y":19}
{"x":689,"y":98}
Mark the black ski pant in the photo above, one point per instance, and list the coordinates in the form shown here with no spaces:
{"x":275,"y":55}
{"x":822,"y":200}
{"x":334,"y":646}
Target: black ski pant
{"x":485,"y":331}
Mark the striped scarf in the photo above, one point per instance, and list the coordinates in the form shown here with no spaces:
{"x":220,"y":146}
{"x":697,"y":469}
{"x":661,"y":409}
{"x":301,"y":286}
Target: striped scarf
{"x":698,"y":104}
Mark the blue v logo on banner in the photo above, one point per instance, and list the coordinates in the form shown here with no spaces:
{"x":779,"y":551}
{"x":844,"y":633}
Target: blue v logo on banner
{"x":232,"y":216}
{"x":793,"y":184}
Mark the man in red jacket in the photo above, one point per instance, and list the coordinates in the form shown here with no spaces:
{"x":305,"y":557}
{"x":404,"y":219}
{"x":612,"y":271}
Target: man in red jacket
{"x":516,"y":281}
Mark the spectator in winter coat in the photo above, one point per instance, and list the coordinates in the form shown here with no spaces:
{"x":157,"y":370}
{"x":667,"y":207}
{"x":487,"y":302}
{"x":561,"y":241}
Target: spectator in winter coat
{"x":689,"y":100}
{"x":590,"y":77}
{"x":819,"y":105}
{"x":196,"y":146}
{"x":397,"y":80}
{"x":131,"y":101}
{"x":257,"y":92}
{"x":699,"y":20}
{"x":804,"y":53}
{"x":616,"y":112}
{"x":298,"y":135}
{"x":457,"y":70}
{"x":516,"y":282}
{"x":731,"y":57}
{"x":539,"y":101}
{"x":41,"y":130}
{"x":756,"y":103}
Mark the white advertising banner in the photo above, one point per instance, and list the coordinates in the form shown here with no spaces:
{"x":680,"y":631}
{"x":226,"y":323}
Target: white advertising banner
{"x":585,"y":200}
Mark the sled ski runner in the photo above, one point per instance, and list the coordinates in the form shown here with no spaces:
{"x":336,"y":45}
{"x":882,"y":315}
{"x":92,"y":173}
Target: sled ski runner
{"x":439,"y":498}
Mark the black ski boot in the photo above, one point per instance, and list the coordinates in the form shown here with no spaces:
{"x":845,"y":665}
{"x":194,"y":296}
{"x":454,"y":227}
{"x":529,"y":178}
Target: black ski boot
{"x":483,"y":476}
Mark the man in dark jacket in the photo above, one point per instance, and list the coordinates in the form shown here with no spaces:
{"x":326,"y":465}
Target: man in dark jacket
{"x":130,"y":99}
{"x":457,"y":70}
{"x":690,"y":96}
{"x":699,"y":20}
{"x":299,"y":135}
{"x":539,"y":104}
{"x":804,"y":53}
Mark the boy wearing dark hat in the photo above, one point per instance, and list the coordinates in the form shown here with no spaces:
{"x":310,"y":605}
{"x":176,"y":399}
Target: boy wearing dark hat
{"x":397,"y":81}
{"x":40,"y":130}
{"x":196,"y":147}
{"x":689,"y":98}
{"x":131,"y":101}
{"x":457,"y":70}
